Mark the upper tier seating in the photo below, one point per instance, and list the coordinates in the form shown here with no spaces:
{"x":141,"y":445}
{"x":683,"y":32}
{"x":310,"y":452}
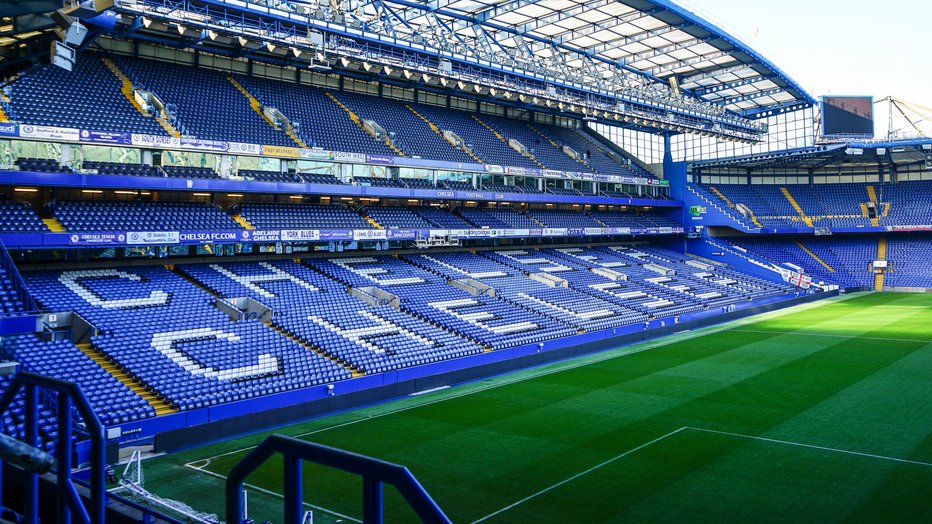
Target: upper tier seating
{"x":88,"y":97}
{"x":321,"y":122}
{"x":554,"y":218}
{"x":18,"y":217}
{"x":832,"y":205}
{"x":41,"y":165}
{"x":142,"y":216}
{"x":376,"y":181}
{"x":497,"y":218}
{"x":302,"y":216}
{"x":909,"y":203}
{"x":208,"y":105}
{"x":411,"y":134}
{"x":319,"y":178}
{"x":545,"y":153}
{"x":441,"y":218}
{"x":121,"y":168}
{"x":479,"y":139}
{"x":205,"y":104}
{"x":190,"y":172}
{"x":394,"y":217}
{"x":268,"y":176}
{"x":458,"y":185}
{"x":599,"y":159}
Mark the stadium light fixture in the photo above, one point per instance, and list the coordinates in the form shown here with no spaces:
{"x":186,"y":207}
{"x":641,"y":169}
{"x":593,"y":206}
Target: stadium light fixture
{"x":444,"y":82}
{"x":201,"y":194}
{"x":388,"y":70}
{"x":461,"y":85}
{"x":408,"y":74}
{"x":92,"y":191}
{"x":345,"y":61}
{"x":296,"y":197}
{"x":367,"y":66}
{"x":146,"y":22}
{"x":124,"y":192}
{"x":25,"y":190}
{"x":296,"y":52}
{"x":181,"y":29}
{"x":425,"y":78}
{"x":235,"y":195}
{"x":270,"y":46}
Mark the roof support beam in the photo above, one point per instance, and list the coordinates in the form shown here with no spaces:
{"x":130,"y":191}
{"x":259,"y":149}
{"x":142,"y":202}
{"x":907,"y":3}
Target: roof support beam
{"x":637,"y":37}
{"x":608,"y":24}
{"x":673,"y":66}
{"x":679,"y":46}
{"x":701,"y":91}
{"x":748,"y":96}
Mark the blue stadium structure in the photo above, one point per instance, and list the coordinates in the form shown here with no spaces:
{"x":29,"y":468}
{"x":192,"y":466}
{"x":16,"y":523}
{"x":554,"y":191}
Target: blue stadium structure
{"x":218,"y":213}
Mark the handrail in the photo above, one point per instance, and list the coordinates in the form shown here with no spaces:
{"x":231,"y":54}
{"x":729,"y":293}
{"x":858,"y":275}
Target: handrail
{"x":70,"y":396}
{"x":374,"y":473}
{"x":28,"y":301}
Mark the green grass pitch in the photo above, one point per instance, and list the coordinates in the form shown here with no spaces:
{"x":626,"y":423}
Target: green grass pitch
{"x":821,"y":413}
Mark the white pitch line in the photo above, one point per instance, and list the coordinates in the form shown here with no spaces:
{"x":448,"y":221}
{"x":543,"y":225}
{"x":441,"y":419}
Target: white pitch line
{"x":576,"y":476}
{"x":278,"y":495}
{"x":609,"y":355}
{"x":829,"y":335}
{"x":813,"y":446}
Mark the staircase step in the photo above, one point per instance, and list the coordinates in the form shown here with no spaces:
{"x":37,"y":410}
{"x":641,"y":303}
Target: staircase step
{"x":816,"y":257}
{"x":301,"y":342}
{"x":54,"y":225}
{"x":160,"y":406}
{"x":796,"y":207}
{"x":243,"y":222}
{"x":436,"y":129}
{"x":256,"y":106}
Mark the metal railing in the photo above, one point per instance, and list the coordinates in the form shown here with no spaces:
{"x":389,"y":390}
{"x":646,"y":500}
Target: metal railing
{"x":71,"y":508}
{"x":294,"y":451}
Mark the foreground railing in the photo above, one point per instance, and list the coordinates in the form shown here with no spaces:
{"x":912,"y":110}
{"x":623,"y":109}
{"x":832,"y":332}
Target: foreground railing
{"x":294,"y":451}
{"x":71,"y":507}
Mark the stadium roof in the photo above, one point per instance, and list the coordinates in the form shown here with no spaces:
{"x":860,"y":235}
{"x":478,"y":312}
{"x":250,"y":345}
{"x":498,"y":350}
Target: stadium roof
{"x":835,"y":157}
{"x":630,"y":49}
{"x":654,"y":40}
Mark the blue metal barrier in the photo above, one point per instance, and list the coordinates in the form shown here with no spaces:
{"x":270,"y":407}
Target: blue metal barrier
{"x":20,"y":284}
{"x":374,"y":473}
{"x":71,"y":507}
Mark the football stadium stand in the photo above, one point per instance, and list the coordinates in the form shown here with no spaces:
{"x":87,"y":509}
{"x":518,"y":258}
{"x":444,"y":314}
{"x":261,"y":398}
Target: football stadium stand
{"x":212,"y":234}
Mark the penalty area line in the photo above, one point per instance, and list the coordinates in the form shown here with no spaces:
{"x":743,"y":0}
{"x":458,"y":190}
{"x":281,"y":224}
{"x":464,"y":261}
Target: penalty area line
{"x":253,"y":487}
{"x":812,"y":446}
{"x":576,"y":476}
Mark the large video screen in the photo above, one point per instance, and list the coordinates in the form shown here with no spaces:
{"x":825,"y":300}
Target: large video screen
{"x":848,"y":115}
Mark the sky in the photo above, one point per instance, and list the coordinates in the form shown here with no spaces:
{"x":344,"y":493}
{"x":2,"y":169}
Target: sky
{"x":838,"y":47}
